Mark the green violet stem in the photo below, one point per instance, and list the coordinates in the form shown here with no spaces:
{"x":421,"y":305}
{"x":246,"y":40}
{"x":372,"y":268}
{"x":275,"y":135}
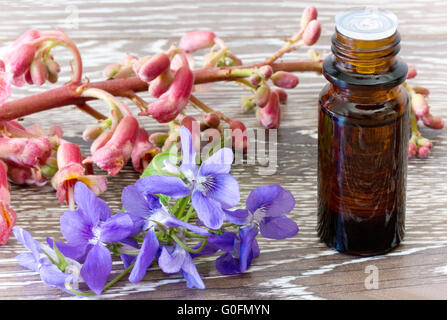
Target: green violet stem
{"x":107,"y":286}
{"x":184,"y":246}
{"x":189,"y":214}
{"x":182,"y":206}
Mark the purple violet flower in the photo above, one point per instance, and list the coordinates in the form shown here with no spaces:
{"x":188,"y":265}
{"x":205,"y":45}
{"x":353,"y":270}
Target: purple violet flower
{"x":267,"y":206}
{"x":211,"y":187}
{"x":89,"y":228}
{"x":176,"y":259}
{"x":240,"y":249}
{"x":148,"y":213}
{"x":39,"y":261}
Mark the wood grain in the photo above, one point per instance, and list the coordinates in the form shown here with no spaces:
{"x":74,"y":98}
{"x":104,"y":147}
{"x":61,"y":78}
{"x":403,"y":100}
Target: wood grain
{"x":298,"y":268}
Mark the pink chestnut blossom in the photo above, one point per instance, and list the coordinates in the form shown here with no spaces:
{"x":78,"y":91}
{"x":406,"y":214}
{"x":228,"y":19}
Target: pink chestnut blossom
{"x":412,"y":72}
{"x":309,"y":13}
{"x":161,"y":84}
{"x":282,"y":94}
{"x":433,"y":122}
{"x":23,"y":151}
{"x":154,"y":67}
{"x":262,"y":95}
{"x":173,"y":101}
{"x":143,"y":151}
{"x":116,"y":152}
{"x":196,"y":40}
{"x":312,"y":33}
{"x":25,"y":175}
{"x":71,"y":170}
{"x":419,"y":105}
{"x":270,"y":115}
{"x":8,"y":216}
{"x":285,"y":80}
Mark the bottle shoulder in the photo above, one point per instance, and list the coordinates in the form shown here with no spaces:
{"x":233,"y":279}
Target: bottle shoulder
{"x":363,"y":110}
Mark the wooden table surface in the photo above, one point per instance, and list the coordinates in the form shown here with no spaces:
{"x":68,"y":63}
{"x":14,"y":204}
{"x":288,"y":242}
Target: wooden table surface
{"x":297,"y":268}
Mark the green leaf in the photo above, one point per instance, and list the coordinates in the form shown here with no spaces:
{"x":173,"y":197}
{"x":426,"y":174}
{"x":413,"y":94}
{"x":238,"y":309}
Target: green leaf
{"x":62,"y":262}
{"x":155,"y":167}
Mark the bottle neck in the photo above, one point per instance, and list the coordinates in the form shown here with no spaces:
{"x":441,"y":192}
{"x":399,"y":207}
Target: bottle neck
{"x":365,"y":56}
{"x":365,"y":63}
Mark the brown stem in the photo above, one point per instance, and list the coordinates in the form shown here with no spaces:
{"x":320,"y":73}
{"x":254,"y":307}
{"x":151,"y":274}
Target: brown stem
{"x":66,"y":95}
{"x":89,"y":110}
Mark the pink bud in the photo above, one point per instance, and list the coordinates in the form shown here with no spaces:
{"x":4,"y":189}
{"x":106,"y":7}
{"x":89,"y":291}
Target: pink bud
{"x":173,"y":101}
{"x":71,"y":170}
{"x":117,"y":151}
{"x":8,"y":216}
{"x":282,"y":95}
{"x":25,"y":175}
{"x":262,"y":95}
{"x":270,"y":115}
{"x":101,"y":140}
{"x":92,"y":132}
{"x":19,"y":61}
{"x":433,"y":122}
{"x":412,"y":149}
{"x":196,"y":40}
{"x":21,"y":151}
{"x":419,"y":105}
{"x":424,"y":142}
{"x":239,"y":135}
{"x":255,"y":79}
{"x":266,"y":72}
{"x":411,"y":72}
{"x":161,"y":84}
{"x":39,"y":72}
{"x":285,"y":80}
{"x":143,"y":151}
{"x":53,"y":66}
{"x":154,"y":67}
{"x":212,"y":120}
{"x":312,"y":33}
{"x":423,"y":152}
{"x":310,"y":13}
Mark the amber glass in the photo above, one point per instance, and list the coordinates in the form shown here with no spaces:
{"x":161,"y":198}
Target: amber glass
{"x":363,"y":132}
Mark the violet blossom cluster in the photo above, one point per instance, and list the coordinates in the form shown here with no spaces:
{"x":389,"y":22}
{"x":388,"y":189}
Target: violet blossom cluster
{"x":163,"y":212}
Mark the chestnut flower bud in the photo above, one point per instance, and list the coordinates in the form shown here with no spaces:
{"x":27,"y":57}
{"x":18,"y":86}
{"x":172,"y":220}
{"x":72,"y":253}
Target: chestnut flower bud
{"x":262,"y":95}
{"x":116,"y":152}
{"x":154,"y":67}
{"x":173,"y":101}
{"x":285,"y":80}
{"x":212,"y":119}
{"x":196,"y":40}
{"x":39,"y":72}
{"x":419,"y":105}
{"x":433,"y":122}
{"x":411,"y":72}
{"x":143,"y":151}
{"x":161,"y":84}
{"x":282,"y":95}
{"x":312,"y":33}
{"x":239,"y":135}
{"x":412,"y":149}
{"x":310,"y":13}
{"x":270,"y":115}
{"x":266,"y":72}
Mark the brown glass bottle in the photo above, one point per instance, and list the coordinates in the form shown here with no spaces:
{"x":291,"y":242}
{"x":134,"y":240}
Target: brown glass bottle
{"x":363,"y":132}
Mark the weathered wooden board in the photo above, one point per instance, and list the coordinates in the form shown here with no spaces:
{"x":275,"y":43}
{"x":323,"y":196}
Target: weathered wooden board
{"x":298,"y":268}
